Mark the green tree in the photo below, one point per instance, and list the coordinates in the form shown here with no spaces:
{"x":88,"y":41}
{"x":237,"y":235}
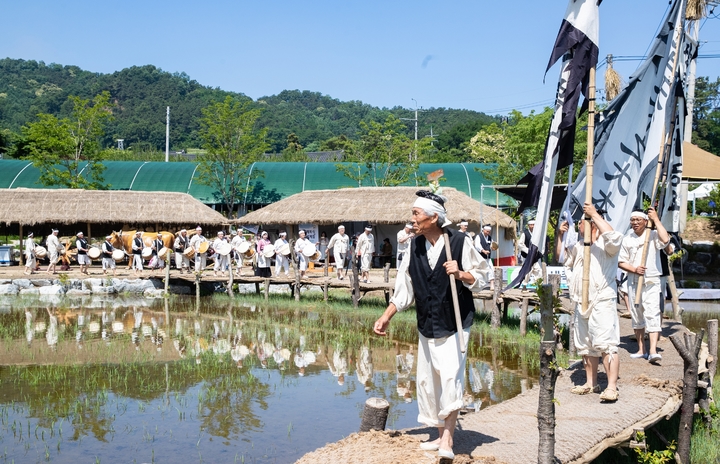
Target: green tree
{"x":293,"y":151}
{"x":389,"y":156}
{"x":232,"y":143}
{"x":706,"y":115}
{"x":58,"y":147}
{"x":516,"y":146}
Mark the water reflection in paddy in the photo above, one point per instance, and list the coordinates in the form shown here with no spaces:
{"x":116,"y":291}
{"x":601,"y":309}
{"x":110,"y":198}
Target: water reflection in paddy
{"x":129,"y":380}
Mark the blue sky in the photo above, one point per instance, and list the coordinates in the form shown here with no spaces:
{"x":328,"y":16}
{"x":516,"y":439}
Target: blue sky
{"x":485,"y":55}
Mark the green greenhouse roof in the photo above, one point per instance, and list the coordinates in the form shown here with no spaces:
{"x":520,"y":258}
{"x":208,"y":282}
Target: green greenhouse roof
{"x":277,"y":180}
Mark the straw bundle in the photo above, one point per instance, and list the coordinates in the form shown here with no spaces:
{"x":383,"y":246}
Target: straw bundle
{"x":612,"y":80}
{"x":695,"y":10}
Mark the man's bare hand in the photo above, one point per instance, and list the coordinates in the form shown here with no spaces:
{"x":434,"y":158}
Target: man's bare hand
{"x":652,"y":215}
{"x":640,"y":270}
{"x":451,"y":268}
{"x":381,"y":326}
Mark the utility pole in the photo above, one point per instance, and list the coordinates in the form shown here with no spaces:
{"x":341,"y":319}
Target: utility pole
{"x":413,"y":154}
{"x":167,"y":136}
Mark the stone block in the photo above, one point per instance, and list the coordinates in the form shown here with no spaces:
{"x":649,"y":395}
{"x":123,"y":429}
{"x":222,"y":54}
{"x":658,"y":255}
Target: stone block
{"x":51,"y":290}
{"x":9,"y":289}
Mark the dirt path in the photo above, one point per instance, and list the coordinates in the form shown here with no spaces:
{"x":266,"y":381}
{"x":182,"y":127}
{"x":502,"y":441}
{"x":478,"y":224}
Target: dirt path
{"x":507,"y":432}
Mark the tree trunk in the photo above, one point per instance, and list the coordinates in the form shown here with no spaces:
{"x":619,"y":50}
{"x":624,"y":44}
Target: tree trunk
{"x":374,"y":415}
{"x":688,"y":345}
{"x":495,"y":319}
{"x":677,"y":310}
{"x":546,"y":403}
{"x":386,"y":279}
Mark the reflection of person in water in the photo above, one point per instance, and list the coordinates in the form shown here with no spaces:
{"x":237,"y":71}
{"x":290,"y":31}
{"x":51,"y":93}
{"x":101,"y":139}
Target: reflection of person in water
{"x":52,"y":330}
{"x":303,"y":357}
{"x":482,"y":378}
{"x":364,"y":368}
{"x":339,"y":365}
{"x":29,"y":329}
{"x":403,"y":370}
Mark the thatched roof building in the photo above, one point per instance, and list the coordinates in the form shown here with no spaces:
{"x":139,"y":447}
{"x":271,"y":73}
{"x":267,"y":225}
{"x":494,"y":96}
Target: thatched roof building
{"x":376,"y":205}
{"x":66,"y":206}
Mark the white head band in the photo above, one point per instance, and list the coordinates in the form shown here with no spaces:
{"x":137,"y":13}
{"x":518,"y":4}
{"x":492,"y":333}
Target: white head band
{"x":432,"y":207}
{"x":639,"y":214}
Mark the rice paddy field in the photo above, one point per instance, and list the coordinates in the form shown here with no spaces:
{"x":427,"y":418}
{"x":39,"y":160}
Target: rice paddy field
{"x":216,"y":379}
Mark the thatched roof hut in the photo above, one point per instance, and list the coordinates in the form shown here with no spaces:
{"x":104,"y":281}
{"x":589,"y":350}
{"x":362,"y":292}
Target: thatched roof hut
{"x":66,"y":206}
{"x":377,"y":205}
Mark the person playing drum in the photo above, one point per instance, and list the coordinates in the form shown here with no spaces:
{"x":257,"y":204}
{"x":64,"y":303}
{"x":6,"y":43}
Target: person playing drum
{"x":235,"y":242}
{"x":221,"y":261}
{"x":300,"y":244}
{"x":182,"y":262}
{"x":107,"y":255}
{"x":281,"y":261}
{"x":137,"y":247}
{"x":157,"y":262}
{"x":82,"y":257}
{"x":263,"y":263}
{"x":195,"y":242}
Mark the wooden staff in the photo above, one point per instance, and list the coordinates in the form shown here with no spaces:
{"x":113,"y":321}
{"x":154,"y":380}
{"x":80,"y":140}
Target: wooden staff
{"x":497,"y":226}
{"x":588,"y":190}
{"x":453,"y":289}
{"x":667,"y":141}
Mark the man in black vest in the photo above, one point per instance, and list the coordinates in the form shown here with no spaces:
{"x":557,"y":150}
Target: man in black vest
{"x":83,"y":259}
{"x":137,"y":248}
{"x":424,"y":277}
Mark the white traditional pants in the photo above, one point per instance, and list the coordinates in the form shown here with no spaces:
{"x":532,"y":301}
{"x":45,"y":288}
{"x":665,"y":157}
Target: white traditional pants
{"x":648,"y":315}
{"x":181,"y":261}
{"x":221,"y":263}
{"x":281,"y":262}
{"x":137,"y":262}
{"x":365,"y":262}
{"x":339,"y":259}
{"x":440,"y":378}
{"x":200,"y":261}
{"x":108,"y":263}
{"x":600,"y":332}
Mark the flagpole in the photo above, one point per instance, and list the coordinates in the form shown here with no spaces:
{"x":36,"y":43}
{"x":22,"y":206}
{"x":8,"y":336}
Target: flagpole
{"x":588,"y":189}
{"x":661,"y":160}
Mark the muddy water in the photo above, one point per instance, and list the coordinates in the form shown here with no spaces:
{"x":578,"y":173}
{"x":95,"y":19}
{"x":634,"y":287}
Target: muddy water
{"x":118,"y":380}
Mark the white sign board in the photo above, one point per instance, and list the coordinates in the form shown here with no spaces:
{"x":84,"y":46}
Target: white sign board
{"x":311,"y":232}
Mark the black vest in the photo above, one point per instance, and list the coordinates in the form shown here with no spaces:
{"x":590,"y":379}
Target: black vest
{"x":433,"y":297}
{"x":84,"y":245}
{"x":109,"y":249}
{"x":139,"y":244}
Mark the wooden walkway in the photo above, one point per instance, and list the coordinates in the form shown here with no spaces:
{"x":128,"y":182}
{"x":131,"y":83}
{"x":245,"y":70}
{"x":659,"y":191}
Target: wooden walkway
{"x":508,"y":432}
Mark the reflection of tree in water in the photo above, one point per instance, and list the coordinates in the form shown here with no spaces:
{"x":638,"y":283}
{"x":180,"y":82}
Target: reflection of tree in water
{"x":228,"y":402}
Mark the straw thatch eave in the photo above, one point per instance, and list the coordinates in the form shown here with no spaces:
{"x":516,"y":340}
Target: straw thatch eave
{"x":70,"y":206}
{"x":376,"y":205}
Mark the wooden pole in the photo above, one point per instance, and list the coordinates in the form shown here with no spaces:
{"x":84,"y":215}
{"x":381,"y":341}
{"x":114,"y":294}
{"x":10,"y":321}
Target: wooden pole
{"x":168,"y":258}
{"x":590,"y":163}
{"x":495,"y":319}
{"x":677,"y":310}
{"x":21,"y":247}
{"x":497,"y":226}
{"x":523,"y":316}
{"x":548,"y":377}
{"x":355,"y":288}
{"x":712,"y":326}
{"x":453,"y":290}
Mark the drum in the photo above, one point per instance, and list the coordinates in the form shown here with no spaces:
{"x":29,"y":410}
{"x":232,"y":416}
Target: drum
{"x":118,"y":255}
{"x":316,"y":256}
{"x":246,"y":249}
{"x":40,"y":251}
{"x":223,"y":248}
{"x":309,"y":250}
{"x":268,"y":251}
{"x":147,"y":253}
{"x":494,"y":246}
{"x":94,"y":252}
{"x":163,"y":251}
{"x":189,"y":252}
{"x":284,"y":250}
{"x":62,"y":251}
{"x":203,"y":247}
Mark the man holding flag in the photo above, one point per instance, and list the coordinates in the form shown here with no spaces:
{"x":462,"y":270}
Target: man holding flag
{"x":577,"y":44}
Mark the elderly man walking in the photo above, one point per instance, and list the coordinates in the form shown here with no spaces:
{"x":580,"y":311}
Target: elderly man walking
{"x":365,"y":250}
{"x":424,"y":277}
{"x":647,"y":316}
{"x":339,"y":244}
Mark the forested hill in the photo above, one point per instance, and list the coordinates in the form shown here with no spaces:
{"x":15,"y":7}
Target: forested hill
{"x":142,"y":93}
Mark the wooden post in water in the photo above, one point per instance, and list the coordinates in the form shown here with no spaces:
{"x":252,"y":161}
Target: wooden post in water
{"x":548,"y":377}
{"x":688,"y":346}
{"x":677,"y":310}
{"x":374,"y":416}
{"x":705,"y":384}
{"x":386,"y":279}
{"x":712,"y":327}
{"x":355,"y":278}
{"x":267,"y":288}
{"x":197,"y":290}
{"x":230,"y":279}
{"x":325,"y":291}
{"x":523,"y":316}
{"x":22,"y":250}
{"x":168,"y":260}
{"x":495,"y":319}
